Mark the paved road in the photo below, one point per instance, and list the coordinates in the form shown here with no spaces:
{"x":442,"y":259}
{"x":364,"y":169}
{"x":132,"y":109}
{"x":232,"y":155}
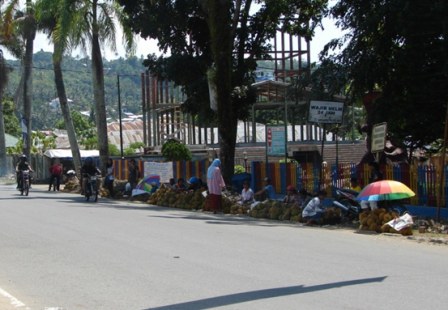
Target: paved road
{"x":56,"y":250}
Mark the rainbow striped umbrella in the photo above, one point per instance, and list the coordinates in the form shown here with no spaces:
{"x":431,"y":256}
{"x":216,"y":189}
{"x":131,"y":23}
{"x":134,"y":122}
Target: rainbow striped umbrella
{"x":385,"y":190}
{"x":146,"y":182}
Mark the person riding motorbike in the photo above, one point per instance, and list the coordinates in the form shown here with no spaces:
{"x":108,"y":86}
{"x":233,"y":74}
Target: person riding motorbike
{"x":90,"y":169}
{"x":22,"y":166}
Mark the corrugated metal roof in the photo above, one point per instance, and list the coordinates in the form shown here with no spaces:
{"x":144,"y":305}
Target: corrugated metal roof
{"x":132,"y":132}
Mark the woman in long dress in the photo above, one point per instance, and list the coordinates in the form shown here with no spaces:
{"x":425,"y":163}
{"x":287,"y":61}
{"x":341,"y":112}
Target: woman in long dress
{"x":215,"y":184}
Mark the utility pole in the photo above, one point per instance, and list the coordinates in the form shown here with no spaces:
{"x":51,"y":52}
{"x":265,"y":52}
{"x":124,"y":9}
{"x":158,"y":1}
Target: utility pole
{"x":119,"y":115}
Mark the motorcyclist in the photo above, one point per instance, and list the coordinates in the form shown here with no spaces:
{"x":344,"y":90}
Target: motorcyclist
{"x":22,"y":166}
{"x":87,"y":170}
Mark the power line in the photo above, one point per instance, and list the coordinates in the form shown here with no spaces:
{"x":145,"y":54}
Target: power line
{"x":66,"y":70}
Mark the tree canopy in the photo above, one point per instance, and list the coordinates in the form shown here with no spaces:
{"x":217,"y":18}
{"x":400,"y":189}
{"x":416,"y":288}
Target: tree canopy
{"x":398,"y":50}
{"x":215,"y":45}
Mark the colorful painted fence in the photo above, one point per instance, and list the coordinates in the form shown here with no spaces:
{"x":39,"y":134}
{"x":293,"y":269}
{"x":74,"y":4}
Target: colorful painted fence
{"x":423,"y":180}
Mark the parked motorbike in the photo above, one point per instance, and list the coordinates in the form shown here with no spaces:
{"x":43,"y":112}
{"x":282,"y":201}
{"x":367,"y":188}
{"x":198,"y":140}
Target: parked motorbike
{"x":25,"y":182}
{"x":346,"y":201}
{"x":91,"y":189}
{"x":351,"y":208}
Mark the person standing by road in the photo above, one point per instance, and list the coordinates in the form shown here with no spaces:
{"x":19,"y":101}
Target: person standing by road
{"x":215,"y":184}
{"x":134,"y":174}
{"x":109,"y":178}
{"x":56,"y":173}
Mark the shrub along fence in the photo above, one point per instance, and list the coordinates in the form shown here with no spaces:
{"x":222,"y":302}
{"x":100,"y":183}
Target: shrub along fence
{"x":422,"y":179}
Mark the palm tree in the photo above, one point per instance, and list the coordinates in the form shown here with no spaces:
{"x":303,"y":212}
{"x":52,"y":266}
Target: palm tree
{"x":91,"y":23}
{"x":3,"y":83}
{"x":14,"y":21}
{"x":46,"y":13}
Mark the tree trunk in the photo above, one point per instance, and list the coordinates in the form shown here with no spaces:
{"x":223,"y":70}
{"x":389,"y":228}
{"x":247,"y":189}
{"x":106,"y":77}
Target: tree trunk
{"x":221,"y":45}
{"x":3,"y":82}
{"x":100,"y":101}
{"x":2,"y":138}
{"x":59,"y":81}
{"x":28,"y":89}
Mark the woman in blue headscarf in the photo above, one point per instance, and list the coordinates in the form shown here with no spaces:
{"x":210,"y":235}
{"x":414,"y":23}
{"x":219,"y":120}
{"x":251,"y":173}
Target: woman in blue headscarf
{"x":215,"y":184}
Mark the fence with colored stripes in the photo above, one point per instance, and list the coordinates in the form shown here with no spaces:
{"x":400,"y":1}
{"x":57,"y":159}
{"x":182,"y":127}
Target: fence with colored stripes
{"x":422,"y":179}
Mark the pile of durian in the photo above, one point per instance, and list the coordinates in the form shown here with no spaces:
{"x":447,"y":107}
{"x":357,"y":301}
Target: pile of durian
{"x":276,"y":210}
{"x":71,"y":186}
{"x":376,"y":220}
{"x":166,"y":197}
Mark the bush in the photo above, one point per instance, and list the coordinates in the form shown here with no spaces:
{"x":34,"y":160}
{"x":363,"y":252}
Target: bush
{"x":175,"y":151}
{"x":113,"y":150}
{"x":238,"y":169}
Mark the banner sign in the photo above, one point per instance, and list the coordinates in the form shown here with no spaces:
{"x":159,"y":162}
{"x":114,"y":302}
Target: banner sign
{"x":379,"y":132}
{"x":163,"y":170}
{"x":326,"y":112}
{"x":275,"y":140}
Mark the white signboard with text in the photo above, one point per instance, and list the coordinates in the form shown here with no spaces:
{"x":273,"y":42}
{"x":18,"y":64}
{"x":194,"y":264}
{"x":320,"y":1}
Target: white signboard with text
{"x":326,"y":112}
{"x":379,"y":132}
{"x":163,"y":170}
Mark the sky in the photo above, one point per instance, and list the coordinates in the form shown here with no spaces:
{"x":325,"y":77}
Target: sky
{"x":148,"y":47}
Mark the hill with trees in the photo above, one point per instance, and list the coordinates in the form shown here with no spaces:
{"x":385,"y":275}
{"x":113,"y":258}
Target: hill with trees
{"x":78,"y":83}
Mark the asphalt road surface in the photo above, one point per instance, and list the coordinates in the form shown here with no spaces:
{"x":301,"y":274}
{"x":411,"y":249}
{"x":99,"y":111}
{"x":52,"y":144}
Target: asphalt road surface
{"x":59,"y":252}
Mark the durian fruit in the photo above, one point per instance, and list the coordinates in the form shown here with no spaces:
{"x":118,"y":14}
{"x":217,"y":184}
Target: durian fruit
{"x":374,"y":227}
{"x":385,"y":228}
{"x":387,"y":217}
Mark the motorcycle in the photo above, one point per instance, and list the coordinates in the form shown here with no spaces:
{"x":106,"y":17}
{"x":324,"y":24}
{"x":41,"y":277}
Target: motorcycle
{"x":25,"y":183}
{"x":351,"y":208}
{"x":91,"y":187}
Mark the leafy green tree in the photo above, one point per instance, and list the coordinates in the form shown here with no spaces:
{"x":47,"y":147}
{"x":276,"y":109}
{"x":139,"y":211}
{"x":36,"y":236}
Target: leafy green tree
{"x":216,"y":43}
{"x":11,"y":121}
{"x":175,"y":151}
{"x":398,"y":50}
{"x":91,"y":23}
{"x":113,"y":150}
{"x":22,"y":21}
{"x":129,"y":151}
{"x":79,"y":122}
{"x":47,"y":16}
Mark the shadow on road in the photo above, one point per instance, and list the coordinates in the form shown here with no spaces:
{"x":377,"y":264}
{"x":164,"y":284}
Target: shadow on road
{"x":78,"y":201}
{"x":232,"y":299}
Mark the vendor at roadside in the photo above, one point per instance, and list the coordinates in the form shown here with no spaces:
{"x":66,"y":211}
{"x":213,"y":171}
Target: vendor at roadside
{"x":267,"y":192}
{"x":313,"y":210}
{"x":291,"y":195}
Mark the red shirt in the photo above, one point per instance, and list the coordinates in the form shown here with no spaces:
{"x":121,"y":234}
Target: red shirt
{"x":55,"y":169}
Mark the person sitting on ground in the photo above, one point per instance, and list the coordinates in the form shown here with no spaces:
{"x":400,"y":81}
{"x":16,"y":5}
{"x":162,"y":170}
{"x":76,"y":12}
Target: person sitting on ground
{"x":313,"y":211}
{"x":180,"y":186}
{"x":247,"y":194}
{"x":291,"y":195}
{"x":202,"y":184}
{"x":172,"y":184}
{"x":305,"y":198}
{"x":22,"y":166}
{"x":194,"y":184}
{"x":154,"y":187}
{"x":56,"y":173}
{"x":267,"y":192}
{"x":354,"y":186}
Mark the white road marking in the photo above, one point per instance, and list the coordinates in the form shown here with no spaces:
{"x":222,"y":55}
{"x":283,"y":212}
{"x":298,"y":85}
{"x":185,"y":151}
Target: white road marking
{"x":14,"y":301}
